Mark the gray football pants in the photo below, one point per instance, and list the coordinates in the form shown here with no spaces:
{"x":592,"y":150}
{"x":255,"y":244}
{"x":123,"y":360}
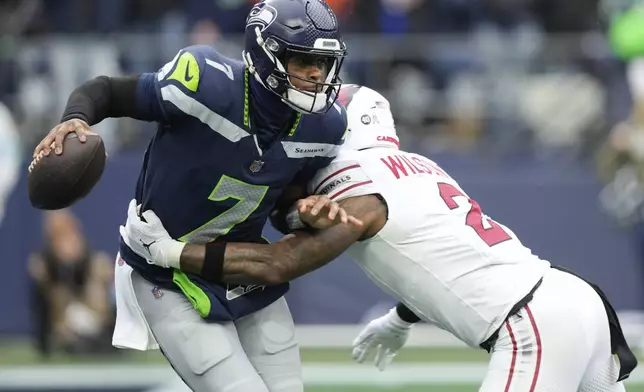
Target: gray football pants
{"x":257,"y":353}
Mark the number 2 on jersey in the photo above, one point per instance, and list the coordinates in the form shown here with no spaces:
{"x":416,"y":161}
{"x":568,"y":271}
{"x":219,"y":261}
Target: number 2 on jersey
{"x":491,"y":235}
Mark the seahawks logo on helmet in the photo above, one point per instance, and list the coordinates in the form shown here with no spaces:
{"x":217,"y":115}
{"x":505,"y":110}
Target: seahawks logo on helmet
{"x":263,"y":15}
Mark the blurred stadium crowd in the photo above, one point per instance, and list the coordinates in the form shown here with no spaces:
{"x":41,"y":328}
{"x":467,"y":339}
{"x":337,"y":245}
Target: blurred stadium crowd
{"x":502,"y":79}
{"x":506,"y":75}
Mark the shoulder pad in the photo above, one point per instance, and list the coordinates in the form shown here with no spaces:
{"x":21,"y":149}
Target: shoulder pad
{"x":202,"y":74}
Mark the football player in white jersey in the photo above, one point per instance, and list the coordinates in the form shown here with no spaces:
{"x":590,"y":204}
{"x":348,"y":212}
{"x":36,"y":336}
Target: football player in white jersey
{"x":424,"y":241}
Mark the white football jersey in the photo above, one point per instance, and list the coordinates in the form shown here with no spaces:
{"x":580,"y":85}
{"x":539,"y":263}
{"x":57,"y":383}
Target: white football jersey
{"x":437,"y":253}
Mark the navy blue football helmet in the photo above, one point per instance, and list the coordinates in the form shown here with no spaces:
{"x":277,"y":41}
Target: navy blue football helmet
{"x":280,"y":30}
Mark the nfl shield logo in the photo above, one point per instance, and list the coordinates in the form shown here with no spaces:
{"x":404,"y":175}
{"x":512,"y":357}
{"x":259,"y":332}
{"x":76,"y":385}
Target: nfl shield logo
{"x":256,"y":166}
{"x":157,"y":292}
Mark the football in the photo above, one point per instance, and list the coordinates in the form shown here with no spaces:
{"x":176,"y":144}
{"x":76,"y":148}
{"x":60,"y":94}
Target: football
{"x":58,"y":181}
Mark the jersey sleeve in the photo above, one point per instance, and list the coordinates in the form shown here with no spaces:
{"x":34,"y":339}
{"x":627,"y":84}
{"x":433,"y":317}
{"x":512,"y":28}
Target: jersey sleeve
{"x":188,"y":85}
{"x":341,"y":179}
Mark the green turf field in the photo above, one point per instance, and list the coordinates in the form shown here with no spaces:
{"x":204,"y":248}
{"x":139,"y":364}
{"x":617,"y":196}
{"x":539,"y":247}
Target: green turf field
{"x":20,"y":353}
{"x":325,"y":370}
{"x":416,"y":388}
{"x":424,"y":388}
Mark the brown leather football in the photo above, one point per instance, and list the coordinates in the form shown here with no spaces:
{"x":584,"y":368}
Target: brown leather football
{"x":58,"y":181}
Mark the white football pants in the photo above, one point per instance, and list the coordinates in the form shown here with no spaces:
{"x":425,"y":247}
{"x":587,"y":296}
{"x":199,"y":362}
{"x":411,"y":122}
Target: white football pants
{"x":256,"y":353}
{"x":559,"y":342}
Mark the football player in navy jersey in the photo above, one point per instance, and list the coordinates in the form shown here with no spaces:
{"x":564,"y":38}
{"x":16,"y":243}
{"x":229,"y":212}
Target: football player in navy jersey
{"x":234,"y":138}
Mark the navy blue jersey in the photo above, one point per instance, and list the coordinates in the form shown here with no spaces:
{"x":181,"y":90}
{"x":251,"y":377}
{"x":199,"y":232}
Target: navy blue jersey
{"x":205,"y":175}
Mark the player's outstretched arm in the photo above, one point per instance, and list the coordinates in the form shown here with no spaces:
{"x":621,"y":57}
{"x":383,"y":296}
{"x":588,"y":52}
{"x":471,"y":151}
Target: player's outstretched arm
{"x":247,"y":263}
{"x":294,"y":256}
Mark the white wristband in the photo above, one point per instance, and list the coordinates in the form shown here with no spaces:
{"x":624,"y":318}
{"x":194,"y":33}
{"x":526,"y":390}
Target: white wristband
{"x":172,"y":253}
{"x":396,"y":321}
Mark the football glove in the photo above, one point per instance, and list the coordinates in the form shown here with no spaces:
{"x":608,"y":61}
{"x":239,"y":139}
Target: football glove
{"x":383,"y":336}
{"x":149,"y":239}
